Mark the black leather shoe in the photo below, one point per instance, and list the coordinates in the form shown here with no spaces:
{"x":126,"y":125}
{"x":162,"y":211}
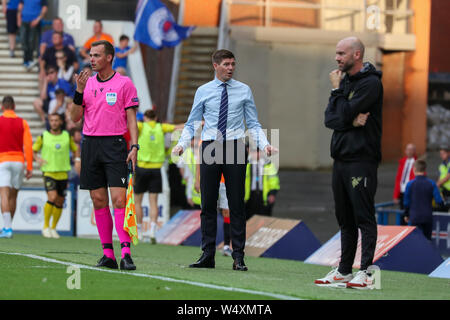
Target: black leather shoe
{"x":205,"y":261}
{"x":126,"y":263}
{"x":107,"y":262}
{"x":239,"y":265}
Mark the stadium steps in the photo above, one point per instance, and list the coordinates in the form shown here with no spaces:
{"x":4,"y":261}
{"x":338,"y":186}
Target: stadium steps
{"x":22,"y":84}
{"x":195,"y":69}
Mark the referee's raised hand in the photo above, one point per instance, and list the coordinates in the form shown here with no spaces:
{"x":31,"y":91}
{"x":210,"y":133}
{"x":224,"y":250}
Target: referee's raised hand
{"x":81,"y":80}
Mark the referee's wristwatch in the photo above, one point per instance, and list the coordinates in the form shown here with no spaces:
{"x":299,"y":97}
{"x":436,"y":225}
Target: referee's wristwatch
{"x":134,"y":146}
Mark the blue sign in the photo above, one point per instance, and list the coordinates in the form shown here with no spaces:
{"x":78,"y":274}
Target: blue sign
{"x":443,"y":271}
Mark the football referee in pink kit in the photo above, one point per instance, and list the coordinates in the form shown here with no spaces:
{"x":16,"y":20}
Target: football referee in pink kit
{"x":109,"y":102}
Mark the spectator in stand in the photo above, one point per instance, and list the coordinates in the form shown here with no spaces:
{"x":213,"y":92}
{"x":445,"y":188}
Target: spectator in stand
{"x":10,"y":12}
{"x":29,"y":16}
{"x":122,"y":52}
{"x":418,"y":199}
{"x":98,"y":35}
{"x":46,"y":38}
{"x":443,"y":182}
{"x":405,"y":173}
{"x":65,"y":69}
{"x":59,"y":106}
{"x":49,"y":56}
{"x":48,"y":91}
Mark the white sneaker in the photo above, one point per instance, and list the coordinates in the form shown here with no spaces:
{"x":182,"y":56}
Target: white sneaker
{"x":227,"y":251}
{"x":46,"y":233}
{"x":333,"y":277}
{"x":54,"y":233}
{"x":362,"y":280}
{"x":153,"y":233}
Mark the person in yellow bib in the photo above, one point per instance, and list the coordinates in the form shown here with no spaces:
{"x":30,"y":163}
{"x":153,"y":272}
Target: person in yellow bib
{"x":261,"y":185}
{"x":443,"y":182}
{"x":151,"y":158}
{"x":52,"y":152}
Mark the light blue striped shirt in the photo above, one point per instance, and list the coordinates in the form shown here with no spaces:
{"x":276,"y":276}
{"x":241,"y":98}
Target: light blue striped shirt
{"x":240,"y":106}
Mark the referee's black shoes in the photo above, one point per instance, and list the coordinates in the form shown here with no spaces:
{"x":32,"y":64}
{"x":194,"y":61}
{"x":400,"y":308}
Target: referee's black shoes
{"x":205,"y":261}
{"x":239,"y":264}
{"x":126,"y":263}
{"x":107,"y":262}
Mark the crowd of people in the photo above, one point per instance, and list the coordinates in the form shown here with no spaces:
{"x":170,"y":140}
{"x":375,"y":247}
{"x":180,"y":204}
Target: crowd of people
{"x":56,"y":54}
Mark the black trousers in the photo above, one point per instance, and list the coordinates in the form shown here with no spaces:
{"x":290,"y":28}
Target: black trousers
{"x":227,"y":158}
{"x":30,"y":40}
{"x":255,"y":205}
{"x":427,"y":228}
{"x":354,"y":186}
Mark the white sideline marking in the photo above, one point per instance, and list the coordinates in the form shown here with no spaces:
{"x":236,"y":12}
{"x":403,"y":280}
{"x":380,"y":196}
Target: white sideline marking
{"x":143,"y":275}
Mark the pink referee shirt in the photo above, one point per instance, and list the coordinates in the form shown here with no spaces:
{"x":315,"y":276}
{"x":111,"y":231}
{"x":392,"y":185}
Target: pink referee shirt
{"x":105,"y":104}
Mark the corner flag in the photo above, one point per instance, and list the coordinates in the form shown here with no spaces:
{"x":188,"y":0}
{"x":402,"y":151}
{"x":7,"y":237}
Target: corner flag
{"x":156,"y":27}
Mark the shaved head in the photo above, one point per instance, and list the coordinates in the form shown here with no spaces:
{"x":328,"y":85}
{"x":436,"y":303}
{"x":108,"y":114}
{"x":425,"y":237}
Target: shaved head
{"x":355,"y":44}
{"x":350,"y":54}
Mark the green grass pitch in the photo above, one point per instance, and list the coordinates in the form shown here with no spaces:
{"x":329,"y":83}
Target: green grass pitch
{"x":162,"y":274}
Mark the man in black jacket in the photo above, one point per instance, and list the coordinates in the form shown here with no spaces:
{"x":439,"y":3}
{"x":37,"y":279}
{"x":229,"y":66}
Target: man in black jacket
{"x":354,"y":115}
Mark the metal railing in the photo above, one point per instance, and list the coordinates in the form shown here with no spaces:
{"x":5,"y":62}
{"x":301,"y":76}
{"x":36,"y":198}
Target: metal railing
{"x":384,"y":210}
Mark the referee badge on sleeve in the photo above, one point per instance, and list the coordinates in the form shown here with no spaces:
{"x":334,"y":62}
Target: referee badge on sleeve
{"x":111,"y":98}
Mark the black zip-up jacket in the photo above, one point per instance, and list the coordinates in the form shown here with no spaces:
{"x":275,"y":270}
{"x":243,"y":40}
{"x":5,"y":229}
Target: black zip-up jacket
{"x":360,"y":93}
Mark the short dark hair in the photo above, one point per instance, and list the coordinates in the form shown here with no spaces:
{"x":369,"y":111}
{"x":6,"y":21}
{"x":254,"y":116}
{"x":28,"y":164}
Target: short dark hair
{"x":51,"y":67}
{"x":60,"y":116}
{"x":151,"y":114}
{"x":60,"y":91}
{"x":109,"y":48}
{"x":124,"y":37}
{"x":420,"y":165}
{"x":8,"y":103}
{"x":58,"y":32}
{"x":221,"y":54}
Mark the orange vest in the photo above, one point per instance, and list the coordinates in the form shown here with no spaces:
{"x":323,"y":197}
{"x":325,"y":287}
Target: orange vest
{"x":15,"y":139}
